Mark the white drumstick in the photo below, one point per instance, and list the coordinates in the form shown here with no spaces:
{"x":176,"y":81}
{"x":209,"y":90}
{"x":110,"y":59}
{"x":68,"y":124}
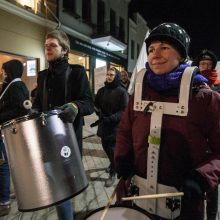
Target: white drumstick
{"x":153,"y":196}
{"x":110,"y":201}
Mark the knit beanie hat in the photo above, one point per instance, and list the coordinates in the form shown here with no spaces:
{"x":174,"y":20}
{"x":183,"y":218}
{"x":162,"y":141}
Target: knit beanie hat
{"x":206,"y":55}
{"x":170,"y":33}
{"x":13,"y":69}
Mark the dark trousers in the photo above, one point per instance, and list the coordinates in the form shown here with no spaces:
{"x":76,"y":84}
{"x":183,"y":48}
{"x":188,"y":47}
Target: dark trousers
{"x":4,"y":176}
{"x":108,"y":147}
{"x":212,"y":204}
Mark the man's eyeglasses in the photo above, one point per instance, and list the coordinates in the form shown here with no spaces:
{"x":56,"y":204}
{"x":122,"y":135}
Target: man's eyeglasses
{"x":50,"y":46}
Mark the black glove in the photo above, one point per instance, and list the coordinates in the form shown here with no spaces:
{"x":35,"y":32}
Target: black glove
{"x":69,"y":113}
{"x":106,"y":119}
{"x":124,"y":167}
{"x":194,"y":187}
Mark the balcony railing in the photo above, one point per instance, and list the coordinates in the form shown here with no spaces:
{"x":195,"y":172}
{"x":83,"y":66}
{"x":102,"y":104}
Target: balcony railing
{"x":38,"y":7}
{"x":105,"y":30}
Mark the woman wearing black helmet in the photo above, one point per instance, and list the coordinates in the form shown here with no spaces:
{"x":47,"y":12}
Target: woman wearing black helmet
{"x":166,"y":129}
{"x":207,"y":61}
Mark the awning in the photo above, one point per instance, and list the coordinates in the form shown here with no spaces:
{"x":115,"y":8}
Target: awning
{"x":109,"y":43}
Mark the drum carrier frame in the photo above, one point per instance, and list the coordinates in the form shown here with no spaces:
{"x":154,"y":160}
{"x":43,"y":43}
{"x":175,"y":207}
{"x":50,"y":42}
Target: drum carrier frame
{"x":157,"y":110}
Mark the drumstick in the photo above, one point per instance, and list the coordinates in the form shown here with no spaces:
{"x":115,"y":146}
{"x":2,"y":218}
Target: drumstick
{"x":154,"y":196}
{"x":109,"y":202}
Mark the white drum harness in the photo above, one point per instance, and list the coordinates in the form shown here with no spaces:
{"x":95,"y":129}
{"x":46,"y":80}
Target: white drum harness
{"x":157,"y":110}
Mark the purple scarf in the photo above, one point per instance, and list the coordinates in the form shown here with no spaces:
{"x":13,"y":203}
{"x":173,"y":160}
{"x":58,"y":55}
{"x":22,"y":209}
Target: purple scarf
{"x":170,"y":80}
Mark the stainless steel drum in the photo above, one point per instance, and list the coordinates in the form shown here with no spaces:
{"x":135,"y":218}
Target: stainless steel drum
{"x":44,"y":158}
{"x":119,"y":213}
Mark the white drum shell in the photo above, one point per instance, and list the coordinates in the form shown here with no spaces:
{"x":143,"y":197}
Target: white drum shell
{"x":118,"y":213}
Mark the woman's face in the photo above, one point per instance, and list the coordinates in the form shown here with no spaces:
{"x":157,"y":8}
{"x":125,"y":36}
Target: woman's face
{"x":163,"y":57}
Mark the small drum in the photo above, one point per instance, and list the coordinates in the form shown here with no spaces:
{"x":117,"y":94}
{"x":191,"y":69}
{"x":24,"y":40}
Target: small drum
{"x":119,"y":213}
{"x":44,"y":158}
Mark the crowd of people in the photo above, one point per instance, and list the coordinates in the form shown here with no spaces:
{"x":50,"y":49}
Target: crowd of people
{"x":164,"y":138}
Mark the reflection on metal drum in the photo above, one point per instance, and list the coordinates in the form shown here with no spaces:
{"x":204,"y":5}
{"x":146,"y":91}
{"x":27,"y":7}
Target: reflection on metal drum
{"x":44,"y":158}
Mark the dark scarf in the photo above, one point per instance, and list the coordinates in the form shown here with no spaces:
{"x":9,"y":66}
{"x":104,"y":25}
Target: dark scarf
{"x":170,"y":80}
{"x":58,"y":66}
{"x":212,"y":77}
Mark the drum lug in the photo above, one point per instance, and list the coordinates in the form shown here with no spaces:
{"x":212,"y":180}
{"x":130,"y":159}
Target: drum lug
{"x":44,"y":121}
{"x":13,"y":127}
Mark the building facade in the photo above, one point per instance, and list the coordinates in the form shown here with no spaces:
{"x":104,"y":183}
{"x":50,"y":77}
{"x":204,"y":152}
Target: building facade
{"x":23,"y":25}
{"x":101,"y":34}
{"x":138,"y":31}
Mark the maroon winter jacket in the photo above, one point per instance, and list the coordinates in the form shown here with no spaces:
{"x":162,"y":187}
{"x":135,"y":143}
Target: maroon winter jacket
{"x":184,"y":140}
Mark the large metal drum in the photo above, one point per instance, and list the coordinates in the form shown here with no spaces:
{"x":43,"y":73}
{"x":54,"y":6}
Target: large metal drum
{"x":44,"y":158}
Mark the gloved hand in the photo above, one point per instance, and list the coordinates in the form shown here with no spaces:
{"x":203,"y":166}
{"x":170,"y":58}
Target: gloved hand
{"x":124,"y":167}
{"x":194,"y":187}
{"x":122,"y":190}
{"x":106,"y":119}
{"x":192,"y":190}
{"x":69,"y":113}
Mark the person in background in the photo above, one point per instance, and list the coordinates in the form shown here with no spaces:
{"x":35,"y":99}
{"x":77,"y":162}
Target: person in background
{"x":65,"y":86}
{"x":110,"y":102}
{"x":124,"y":79}
{"x":162,"y":148}
{"x":14,"y":93}
{"x":206,"y":61}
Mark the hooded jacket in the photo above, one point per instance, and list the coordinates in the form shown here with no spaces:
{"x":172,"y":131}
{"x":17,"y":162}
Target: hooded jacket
{"x":110,"y":101}
{"x":11,"y":104}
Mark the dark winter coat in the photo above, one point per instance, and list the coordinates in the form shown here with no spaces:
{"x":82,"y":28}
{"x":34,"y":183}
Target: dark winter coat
{"x":111,"y":101}
{"x":184,"y":140}
{"x":11,"y":104}
{"x":78,"y":91}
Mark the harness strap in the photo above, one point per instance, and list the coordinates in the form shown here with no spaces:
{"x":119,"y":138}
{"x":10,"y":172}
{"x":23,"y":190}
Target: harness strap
{"x":13,"y":81}
{"x":157,"y":110}
{"x":169,"y":108}
{"x":153,"y":153}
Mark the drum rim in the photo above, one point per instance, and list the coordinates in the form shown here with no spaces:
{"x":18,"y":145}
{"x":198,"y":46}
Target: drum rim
{"x":19,"y":119}
{"x":55,"y":203}
{"x":29,"y":117}
{"x":118,"y":206}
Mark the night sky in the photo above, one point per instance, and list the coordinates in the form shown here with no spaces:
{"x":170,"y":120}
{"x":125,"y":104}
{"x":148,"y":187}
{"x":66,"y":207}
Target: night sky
{"x":201,"y":20}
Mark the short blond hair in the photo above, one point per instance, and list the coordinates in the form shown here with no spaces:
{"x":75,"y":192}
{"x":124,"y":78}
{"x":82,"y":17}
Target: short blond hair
{"x":62,"y":39}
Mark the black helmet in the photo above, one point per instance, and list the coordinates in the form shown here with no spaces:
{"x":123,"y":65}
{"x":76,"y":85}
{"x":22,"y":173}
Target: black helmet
{"x":206,"y":55}
{"x":173,"y":34}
